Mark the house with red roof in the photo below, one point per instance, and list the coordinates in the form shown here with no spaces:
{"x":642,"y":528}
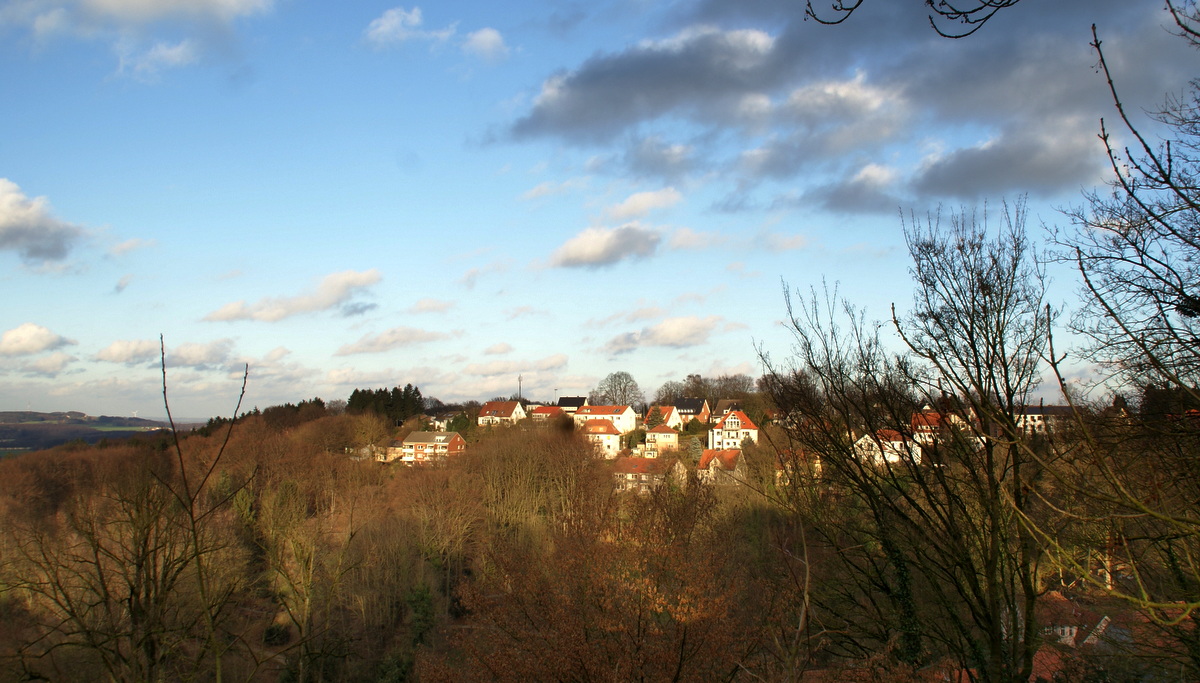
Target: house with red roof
{"x":425,"y":448}
{"x":731,"y":430}
{"x":622,"y":417}
{"x":500,"y":412}
{"x":645,"y":474}
{"x":721,"y":466}
{"x":604,"y":436}
{"x":546,"y":413}
{"x":887,"y":446}
{"x":659,"y":440}
{"x":667,"y":415}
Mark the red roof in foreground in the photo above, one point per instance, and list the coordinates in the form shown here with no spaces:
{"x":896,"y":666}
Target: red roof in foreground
{"x":726,"y":458}
{"x":600,"y":427}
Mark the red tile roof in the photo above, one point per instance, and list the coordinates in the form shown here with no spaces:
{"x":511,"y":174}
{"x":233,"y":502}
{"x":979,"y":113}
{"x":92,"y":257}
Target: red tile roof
{"x":726,"y":459}
{"x":498,"y":408}
{"x":662,"y":429}
{"x":746,"y":422}
{"x":602,"y":410}
{"x":547,"y":410}
{"x":600,"y":427}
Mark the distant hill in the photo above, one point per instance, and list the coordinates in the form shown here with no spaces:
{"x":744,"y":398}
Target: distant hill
{"x":22,"y":430}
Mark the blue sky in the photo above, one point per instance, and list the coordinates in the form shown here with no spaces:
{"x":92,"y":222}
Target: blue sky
{"x":364,"y":194}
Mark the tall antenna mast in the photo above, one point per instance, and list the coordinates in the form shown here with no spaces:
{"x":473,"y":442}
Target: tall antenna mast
{"x":519,"y":378}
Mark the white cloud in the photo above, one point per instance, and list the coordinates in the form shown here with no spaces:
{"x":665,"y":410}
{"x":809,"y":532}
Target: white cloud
{"x":506,"y":367}
{"x":51,"y":365}
{"x":391,"y":339}
{"x":147,"y":64}
{"x":130,"y":245}
{"x":672,"y":332}
{"x":642,"y":203}
{"x":774,"y":241}
{"x":28,"y":227}
{"x":486,"y":43}
{"x":431,"y":306}
{"x":498,"y":349}
{"x":334,"y":290}
{"x":596,"y":247}
{"x":29,"y":338}
{"x":201,"y":356}
{"x":141,"y":11}
{"x":548,"y":189}
{"x":686,"y":238}
{"x":398,"y":25}
{"x":130,"y":351}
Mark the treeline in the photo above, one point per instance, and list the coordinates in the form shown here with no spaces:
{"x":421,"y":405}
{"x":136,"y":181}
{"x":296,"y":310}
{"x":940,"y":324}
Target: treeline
{"x":397,"y":404}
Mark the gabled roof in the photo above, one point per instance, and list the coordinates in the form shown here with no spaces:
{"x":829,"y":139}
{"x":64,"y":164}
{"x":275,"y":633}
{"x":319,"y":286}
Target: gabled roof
{"x":602,"y":410}
{"x":927,"y":420}
{"x":690,"y":406}
{"x":498,"y":409}
{"x":547,"y":410}
{"x":601,"y":427}
{"x":725,"y":459}
{"x":431,"y":437}
{"x":890,"y":436}
{"x":663,"y":411}
{"x":631,"y":465}
{"x":572,"y":401}
{"x":747,"y":423}
{"x":727,"y":404}
{"x":662,"y":429}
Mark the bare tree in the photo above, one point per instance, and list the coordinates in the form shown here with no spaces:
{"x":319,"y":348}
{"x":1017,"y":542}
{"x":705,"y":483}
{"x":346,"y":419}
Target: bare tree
{"x":931,"y":554}
{"x":618,"y":388}
{"x":950,"y":18}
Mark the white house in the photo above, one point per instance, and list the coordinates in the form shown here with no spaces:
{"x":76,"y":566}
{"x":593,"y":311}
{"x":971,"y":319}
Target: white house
{"x":887,"y":446}
{"x":669,"y":416}
{"x":622,"y":417}
{"x":604,"y":436}
{"x":731,"y":430}
{"x":500,"y":412}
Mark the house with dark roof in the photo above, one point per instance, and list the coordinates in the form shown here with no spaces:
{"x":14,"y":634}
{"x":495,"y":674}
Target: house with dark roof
{"x":570,"y":404}
{"x":693,"y":408}
{"x":725,"y":406}
{"x":1043,"y":419}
